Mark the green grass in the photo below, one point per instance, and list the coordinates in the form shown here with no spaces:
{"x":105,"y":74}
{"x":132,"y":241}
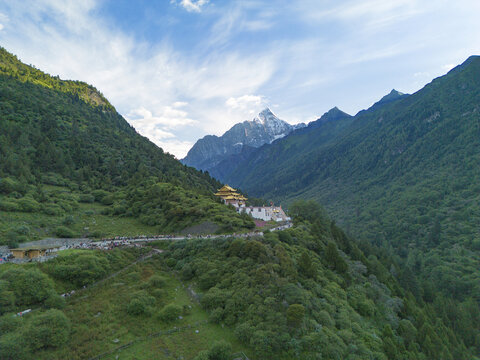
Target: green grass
{"x":184,"y":344}
{"x":110,"y":225}
{"x":98,"y":315}
{"x":88,"y":221}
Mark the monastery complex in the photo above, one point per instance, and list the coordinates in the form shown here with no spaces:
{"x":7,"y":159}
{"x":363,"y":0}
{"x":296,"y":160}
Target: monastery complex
{"x":230,"y":196}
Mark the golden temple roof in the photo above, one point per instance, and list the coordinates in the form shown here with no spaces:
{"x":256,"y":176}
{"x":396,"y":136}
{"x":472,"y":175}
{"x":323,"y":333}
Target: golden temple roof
{"x":226,"y":188}
{"x":229,"y":193}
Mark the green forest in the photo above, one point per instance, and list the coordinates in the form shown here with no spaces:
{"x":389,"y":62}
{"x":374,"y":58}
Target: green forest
{"x":69,"y":159}
{"x":310,"y":292}
{"x":387,"y":269}
{"x":402,"y":176}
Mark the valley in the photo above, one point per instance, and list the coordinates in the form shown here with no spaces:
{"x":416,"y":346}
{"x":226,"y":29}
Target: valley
{"x":374,"y":257}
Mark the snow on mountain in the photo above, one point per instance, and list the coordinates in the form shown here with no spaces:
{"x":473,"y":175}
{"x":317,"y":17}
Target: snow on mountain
{"x":264,"y":128}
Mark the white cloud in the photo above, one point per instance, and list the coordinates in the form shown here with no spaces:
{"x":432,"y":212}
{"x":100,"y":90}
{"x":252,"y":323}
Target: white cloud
{"x":176,"y":147}
{"x":142,"y":82}
{"x":365,"y":11}
{"x":448,"y":67}
{"x":169,"y":118}
{"x":245,"y":101}
{"x":179,"y":104}
{"x":191,"y":5}
{"x":242,"y":16}
{"x":3,"y":21}
{"x":306,"y":56}
{"x":158,"y":128}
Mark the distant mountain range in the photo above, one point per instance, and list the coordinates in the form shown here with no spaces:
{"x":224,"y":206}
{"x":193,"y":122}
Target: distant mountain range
{"x":296,"y":148}
{"x":222,"y":156}
{"x":212,"y":150}
{"x":403,"y":174}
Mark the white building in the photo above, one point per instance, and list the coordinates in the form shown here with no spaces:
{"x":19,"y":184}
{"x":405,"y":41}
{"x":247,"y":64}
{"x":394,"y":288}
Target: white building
{"x":230,"y":196}
{"x":265,"y":213}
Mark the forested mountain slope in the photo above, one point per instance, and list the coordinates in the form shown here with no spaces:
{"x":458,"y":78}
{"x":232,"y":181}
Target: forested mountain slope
{"x":306,"y":293}
{"x":310,"y":292}
{"x":287,"y":153}
{"x":66,"y":134}
{"x":404,"y":176}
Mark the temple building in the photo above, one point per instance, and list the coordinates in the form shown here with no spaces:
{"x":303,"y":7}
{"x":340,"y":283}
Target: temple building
{"x":230,"y":196}
{"x":267,"y":213}
{"x":33,"y":252}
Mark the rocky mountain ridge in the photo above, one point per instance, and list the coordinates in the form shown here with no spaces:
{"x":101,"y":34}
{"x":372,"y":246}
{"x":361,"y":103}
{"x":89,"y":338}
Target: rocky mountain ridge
{"x":265,"y":128}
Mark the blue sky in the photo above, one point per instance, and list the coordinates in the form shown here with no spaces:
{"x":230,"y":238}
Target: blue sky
{"x":180,"y":69}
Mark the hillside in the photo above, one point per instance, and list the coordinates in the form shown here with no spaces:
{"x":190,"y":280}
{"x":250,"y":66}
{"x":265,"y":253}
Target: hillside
{"x":304,"y":293}
{"x":403,"y":175}
{"x":63,"y":145}
{"x":288,"y":152}
{"x":72,"y":166}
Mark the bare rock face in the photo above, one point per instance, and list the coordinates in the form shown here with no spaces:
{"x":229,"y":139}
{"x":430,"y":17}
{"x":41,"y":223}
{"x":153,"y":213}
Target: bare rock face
{"x":265,"y":128}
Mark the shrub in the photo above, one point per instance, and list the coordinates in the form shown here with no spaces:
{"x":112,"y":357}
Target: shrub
{"x":136,"y":307}
{"x":156,"y":281}
{"x":186,"y":309}
{"x":64,"y":232}
{"x":79,"y":269}
{"x":9,"y":205}
{"x":27,"y":204}
{"x":8,"y":185}
{"x":97,"y":234}
{"x":244,"y":332}
{"x":284,"y":236}
{"x":365,"y":307}
{"x":324,"y":319}
{"x":23,"y":230}
{"x":68,"y":220}
{"x":158,"y":293}
{"x":187,"y":272}
{"x":141,"y":304}
{"x":66,"y":205}
{"x":9,"y":323}
{"x":50,"y":329}
{"x":13,"y":346}
{"x":295,"y":314}
{"x":54,"y":302}
{"x":7,"y":299}
{"x":29,"y":286}
{"x":99,"y":194}
{"x":214,"y":298}
{"x":119,"y":209}
{"x":208,"y":280}
{"x":108,"y":200}
{"x":171,"y":262}
{"x":13,"y":243}
{"x":202,"y":355}
{"x":170,"y":312}
{"x":53,"y":209}
{"x":216,"y":315}
{"x":86,"y":198}
{"x":220,"y":350}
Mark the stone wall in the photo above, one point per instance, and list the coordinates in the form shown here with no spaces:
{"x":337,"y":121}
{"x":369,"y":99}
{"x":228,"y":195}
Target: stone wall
{"x":55,"y":242}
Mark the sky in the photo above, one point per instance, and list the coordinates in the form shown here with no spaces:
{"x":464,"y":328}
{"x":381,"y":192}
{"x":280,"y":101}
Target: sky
{"x":178,"y":70}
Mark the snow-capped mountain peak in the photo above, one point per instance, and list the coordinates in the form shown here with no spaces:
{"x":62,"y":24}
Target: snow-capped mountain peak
{"x":264,"y":128}
{"x":272,"y":124}
{"x":266,"y":115}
